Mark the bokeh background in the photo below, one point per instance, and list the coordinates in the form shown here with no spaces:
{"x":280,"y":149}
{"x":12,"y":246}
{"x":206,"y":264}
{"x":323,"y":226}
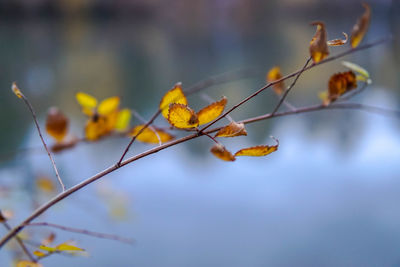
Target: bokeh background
{"x":328,"y":197}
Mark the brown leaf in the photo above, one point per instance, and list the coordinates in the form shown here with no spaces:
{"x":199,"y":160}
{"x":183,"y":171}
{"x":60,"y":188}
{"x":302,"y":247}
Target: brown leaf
{"x":318,"y":45}
{"x":231,"y":130}
{"x":339,"y":84}
{"x":339,"y":42}
{"x":56,"y":124}
{"x":66,"y":144}
{"x":361,"y":27}
{"x":273,"y":75}
{"x":220,"y":152}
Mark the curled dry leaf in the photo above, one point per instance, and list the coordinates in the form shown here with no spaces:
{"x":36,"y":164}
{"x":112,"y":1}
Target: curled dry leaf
{"x":175,"y":95}
{"x":182,"y":117}
{"x":49,"y":239}
{"x":56,"y":124}
{"x":16,"y":90}
{"x":318,"y":45}
{"x":258,"y":151}
{"x":152,"y":136}
{"x":361,"y":27}
{"x":24,"y":263}
{"x":221,"y":152}
{"x":212,"y":111}
{"x":231,"y":130}
{"x":273,"y":75}
{"x":339,"y":84}
{"x":339,"y":42}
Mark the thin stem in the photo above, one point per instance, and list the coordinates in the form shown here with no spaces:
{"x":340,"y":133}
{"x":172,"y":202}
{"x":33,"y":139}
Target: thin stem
{"x":110,"y":169}
{"x":211,"y":81}
{"x":84,"y":232}
{"x":285,"y":94}
{"x":137,"y":115}
{"x":43,"y":142}
{"x":20,"y":242}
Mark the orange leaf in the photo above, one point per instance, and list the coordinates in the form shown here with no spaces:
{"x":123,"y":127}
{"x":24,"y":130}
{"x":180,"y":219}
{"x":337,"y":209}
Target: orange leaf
{"x":212,"y":111}
{"x":273,"y":75}
{"x":339,"y":84}
{"x":182,"y":117}
{"x":339,"y":42}
{"x":318,"y":45}
{"x":220,"y":152}
{"x":16,"y":90}
{"x":256,"y":151}
{"x":152,"y":136}
{"x":175,"y":95}
{"x":28,"y":264}
{"x":39,"y":253}
{"x":96,"y":127}
{"x":361,"y":27}
{"x":56,"y":124}
{"x":231,"y":130}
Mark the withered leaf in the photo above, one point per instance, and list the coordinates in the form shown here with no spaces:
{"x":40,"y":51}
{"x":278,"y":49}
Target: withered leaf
{"x":339,"y":84}
{"x":318,"y":45}
{"x":16,"y":90}
{"x":212,"y":111}
{"x":182,"y":117}
{"x":273,"y":75}
{"x":361,"y":27}
{"x":231,"y":130}
{"x":339,"y":42}
{"x":257,"y":151}
{"x":221,"y":152}
{"x":66,"y":144}
{"x":56,"y":124}
{"x":151,"y":135}
{"x":175,"y":95}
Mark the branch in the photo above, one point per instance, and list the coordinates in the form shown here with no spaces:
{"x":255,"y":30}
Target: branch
{"x":20,"y":242}
{"x":122,"y":162}
{"x":84,"y":232}
{"x":21,"y":95}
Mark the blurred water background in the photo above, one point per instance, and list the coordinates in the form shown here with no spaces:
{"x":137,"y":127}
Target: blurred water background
{"x":328,"y":197}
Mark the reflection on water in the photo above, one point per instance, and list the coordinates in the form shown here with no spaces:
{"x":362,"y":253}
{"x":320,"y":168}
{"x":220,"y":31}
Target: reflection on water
{"x":327,"y":197}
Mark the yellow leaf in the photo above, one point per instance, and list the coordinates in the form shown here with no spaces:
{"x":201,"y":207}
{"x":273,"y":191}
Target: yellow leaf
{"x":212,"y":111}
{"x":16,"y":90}
{"x":108,"y":105}
{"x":339,"y":42}
{"x":256,"y":151}
{"x":182,"y":117}
{"x":356,"y":68}
{"x":68,"y":247}
{"x":220,"y":152}
{"x":86,"y":101}
{"x":231,"y":130}
{"x":152,"y":136}
{"x":318,"y":45}
{"x":175,"y":95}
{"x":28,"y":264}
{"x":56,"y":124}
{"x":39,"y":253}
{"x":273,"y":75}
{"x":361,"y":27}
{"x":96,"y":128}
{"x":45,"y":184}
{"x":48,"y":249}
{"x":124,"y":117}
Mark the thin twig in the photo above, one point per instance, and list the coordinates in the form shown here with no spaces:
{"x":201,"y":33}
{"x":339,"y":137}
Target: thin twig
{"x":211,"y":81}
{"x":41,"y":138}
{"x":137,"y":115}
{"x":287,"y":91}
{"x":84,"y":232}
{"x":20,"y":242}
{"x":110,"y":169}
